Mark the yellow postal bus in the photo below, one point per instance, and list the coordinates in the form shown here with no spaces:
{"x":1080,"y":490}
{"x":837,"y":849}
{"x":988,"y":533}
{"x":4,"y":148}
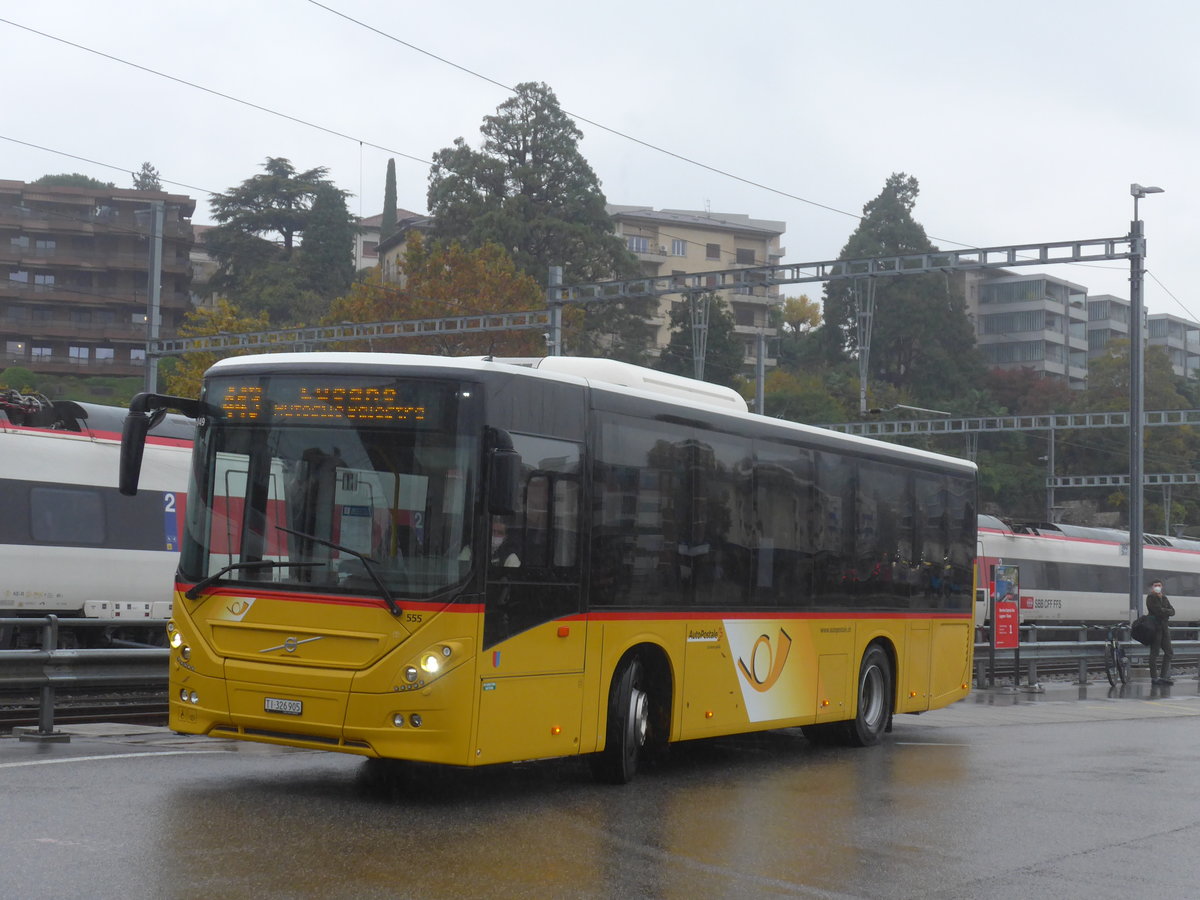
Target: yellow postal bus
{"x":469,"y":561}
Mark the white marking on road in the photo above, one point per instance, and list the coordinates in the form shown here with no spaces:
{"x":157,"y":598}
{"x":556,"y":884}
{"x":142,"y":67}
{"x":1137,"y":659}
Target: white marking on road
{"x":71,"y":759}
{"x":927,"y":744}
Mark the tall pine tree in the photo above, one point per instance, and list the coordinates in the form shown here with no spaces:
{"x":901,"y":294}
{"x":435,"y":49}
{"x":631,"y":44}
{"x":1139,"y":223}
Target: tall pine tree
{"x":922,"y":342}
{"x":327,"y":254}
{"x":531,"y":191}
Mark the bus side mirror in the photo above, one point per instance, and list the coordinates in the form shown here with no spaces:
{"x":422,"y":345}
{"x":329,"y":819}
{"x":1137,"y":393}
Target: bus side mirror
{"x":145,"y":411}
{"x":504,"y":482}
{"x":133,"y":445}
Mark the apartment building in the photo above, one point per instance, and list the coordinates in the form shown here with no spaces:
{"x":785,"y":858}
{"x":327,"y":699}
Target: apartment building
{"x":1180,"y":337}
{"x":680,"y":241}
{"x":1034,"y":321}
{"x":74,"y":266}
{"x":1108,"y":320}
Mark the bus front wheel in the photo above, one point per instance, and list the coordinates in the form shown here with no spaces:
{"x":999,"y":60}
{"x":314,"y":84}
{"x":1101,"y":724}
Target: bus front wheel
{"x":628,"y":726}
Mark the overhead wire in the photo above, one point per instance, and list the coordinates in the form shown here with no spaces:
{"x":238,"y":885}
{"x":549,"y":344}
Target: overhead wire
{"x":424,"y":161}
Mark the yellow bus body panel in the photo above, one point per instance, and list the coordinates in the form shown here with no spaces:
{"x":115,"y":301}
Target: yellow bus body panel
{"x":541,"y":693}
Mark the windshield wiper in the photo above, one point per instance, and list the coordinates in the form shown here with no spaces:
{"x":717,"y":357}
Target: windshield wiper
{"x":368,"y":564}
{"x":194,"y":591}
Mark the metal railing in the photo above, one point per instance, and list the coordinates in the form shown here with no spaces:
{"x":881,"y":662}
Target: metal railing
{"x":49,"y":668}
{"x":1088,"y":647}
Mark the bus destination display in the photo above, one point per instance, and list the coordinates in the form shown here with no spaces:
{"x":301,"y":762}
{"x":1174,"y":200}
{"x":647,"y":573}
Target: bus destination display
{"x":311,"y":403}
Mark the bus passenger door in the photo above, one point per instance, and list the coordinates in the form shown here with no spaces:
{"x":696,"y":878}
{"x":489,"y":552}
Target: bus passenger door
{"x":531,"y":673}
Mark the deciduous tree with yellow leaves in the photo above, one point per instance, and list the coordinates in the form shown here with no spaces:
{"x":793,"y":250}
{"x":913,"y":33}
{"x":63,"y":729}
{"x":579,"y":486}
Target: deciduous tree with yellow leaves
{"x":443,"y":280}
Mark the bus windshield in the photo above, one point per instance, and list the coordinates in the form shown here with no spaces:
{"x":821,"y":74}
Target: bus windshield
{"x":343,"y":483}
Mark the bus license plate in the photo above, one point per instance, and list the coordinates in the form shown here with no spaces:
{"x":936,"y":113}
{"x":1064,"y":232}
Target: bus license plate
{"x":287,"y":707}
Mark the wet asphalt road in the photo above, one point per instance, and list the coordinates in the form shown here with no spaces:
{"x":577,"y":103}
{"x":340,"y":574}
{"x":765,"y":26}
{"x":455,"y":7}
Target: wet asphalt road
{"x":1080,"y":792}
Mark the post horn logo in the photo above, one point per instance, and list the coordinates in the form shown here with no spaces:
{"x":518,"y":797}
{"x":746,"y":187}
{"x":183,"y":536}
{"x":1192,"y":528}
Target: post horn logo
{"x":775,"y":659}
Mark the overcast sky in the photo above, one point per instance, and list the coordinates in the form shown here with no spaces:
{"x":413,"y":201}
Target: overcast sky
{"x":1024,"y":122}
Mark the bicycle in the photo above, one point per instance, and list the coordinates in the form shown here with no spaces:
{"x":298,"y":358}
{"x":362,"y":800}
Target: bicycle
{"x":1116,"y":660}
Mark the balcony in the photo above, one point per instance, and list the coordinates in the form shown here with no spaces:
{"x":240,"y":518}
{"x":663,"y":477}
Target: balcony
{"x":81,"y":296}
{"x":74,"y":219}
{"x":61,"y":364}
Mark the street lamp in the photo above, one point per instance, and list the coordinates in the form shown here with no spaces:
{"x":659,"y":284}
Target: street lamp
{"x":1137,"y":393}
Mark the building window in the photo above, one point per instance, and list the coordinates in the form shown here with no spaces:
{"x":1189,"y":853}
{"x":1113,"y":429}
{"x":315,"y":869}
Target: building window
{"x":19,"y":242}
{"x":370,"y":248}
{"x":44,"y":281}
{"x":15,"y":349}
{"x":679,"y":247}
{"x":712,"y":251}
{"x":137,"y":356}
{"x":79,"y":355}
{"x":43,"y":314}
{"x":81,"y":316}
{"x":745,"y":257}
{"x":45,"y":243}
{"x":19,"y":276}
{"x":104,"y":356}
{"x":638,"y":243}
{"x":41,"y":353}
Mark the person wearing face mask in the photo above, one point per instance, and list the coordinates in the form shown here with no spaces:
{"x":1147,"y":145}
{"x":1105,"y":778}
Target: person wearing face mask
{"x":1160,"y":607}
{"x":504,"y":548}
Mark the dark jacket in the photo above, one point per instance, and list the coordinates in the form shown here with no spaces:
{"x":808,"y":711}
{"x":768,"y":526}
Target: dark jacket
{"x":1159,"y":606}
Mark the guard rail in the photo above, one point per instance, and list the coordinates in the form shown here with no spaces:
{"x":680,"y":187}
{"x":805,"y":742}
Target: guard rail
{"x":50,"y":668}
{"x":1038,"y":646}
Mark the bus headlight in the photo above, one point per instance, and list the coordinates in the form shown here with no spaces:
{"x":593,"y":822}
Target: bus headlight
{"x":431,"y":663}
{"x":176,"y":637}
{"x":410,"y":675}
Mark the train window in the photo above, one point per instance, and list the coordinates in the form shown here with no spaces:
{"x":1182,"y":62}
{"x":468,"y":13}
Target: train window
{"x":59,"y":515}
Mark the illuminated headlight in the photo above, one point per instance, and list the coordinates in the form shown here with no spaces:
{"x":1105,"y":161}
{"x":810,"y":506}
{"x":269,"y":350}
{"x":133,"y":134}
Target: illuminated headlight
{"x":410,"y":675}
{"x":176,"y":637}
{"x":398,"y":720}
{"x":431,"y":663}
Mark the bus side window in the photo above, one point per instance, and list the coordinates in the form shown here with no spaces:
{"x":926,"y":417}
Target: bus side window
{"x":537,"y":521}
{"x":566,"y":519}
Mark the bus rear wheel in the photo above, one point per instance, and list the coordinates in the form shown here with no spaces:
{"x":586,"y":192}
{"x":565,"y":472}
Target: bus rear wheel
{"x":874,"y":699}
{"x":628,"y":726}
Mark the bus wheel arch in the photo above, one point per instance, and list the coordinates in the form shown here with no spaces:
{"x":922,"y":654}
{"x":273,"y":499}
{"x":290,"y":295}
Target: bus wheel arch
{"x":638,"y":719}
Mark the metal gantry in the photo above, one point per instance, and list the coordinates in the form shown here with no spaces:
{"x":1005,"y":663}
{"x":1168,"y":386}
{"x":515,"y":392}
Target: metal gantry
{"x":743,"y":278}
{"x":286,"y":338}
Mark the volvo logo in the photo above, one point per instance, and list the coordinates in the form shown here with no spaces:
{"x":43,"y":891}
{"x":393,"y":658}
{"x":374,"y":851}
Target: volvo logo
{"x":291,"y":644}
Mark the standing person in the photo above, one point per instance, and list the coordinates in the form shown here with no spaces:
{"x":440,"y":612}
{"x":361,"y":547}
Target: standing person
{"x":1160,"y":607}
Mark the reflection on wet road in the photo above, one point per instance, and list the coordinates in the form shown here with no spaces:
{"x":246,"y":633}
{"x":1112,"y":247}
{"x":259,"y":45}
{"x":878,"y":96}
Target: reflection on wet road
{"x":1002,"y":795}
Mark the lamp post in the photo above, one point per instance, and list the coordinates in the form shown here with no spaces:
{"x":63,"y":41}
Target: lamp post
{"x":1137,"y":392}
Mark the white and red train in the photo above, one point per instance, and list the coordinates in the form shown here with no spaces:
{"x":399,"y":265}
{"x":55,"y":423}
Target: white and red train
{"x":1071,"y":574}
{"x":70,"y":544}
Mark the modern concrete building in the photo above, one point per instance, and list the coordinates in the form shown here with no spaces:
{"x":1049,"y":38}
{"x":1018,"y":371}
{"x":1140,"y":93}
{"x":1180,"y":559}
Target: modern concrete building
{"x":1035,"y":322}
{"x":1108,"y":320}
{"x":74,"y":266}
{"x":1181,"y":337}
{"x":677,"y":241}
